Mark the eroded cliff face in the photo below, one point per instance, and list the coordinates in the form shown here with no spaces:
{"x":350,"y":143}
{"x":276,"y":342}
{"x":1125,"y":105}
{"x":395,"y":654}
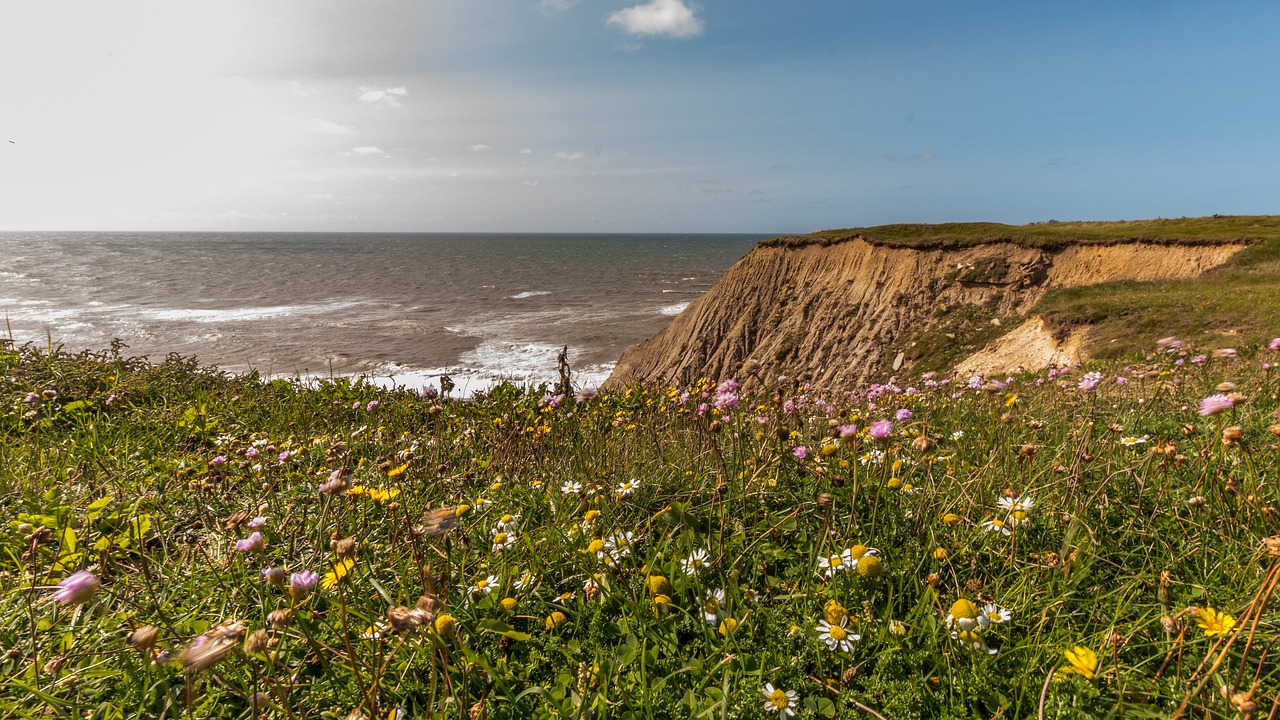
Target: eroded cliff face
{"x":836,"y":314}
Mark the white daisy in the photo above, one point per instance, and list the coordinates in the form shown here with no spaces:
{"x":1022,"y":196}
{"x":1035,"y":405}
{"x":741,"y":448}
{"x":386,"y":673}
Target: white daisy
{"x":502,"y":539}
{"x":996,"y":614}
{"x":696,"y":561}
{"x":840,"y":562}
{"x":996,"y":525}
{"x":616,"y":547}
{"x":711,"y":608}
{"x":525,"y":581}
{"x":837,"y":636}
{"x":485,"y":585}
{"x":627,"y":487}
{"x":571,"y":488}
{"x":782,"y":702}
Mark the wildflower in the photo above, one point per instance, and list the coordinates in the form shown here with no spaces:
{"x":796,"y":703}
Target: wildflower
{"x":711,"y":607}
{"x":870,"y":567}
{"x":502,"y":539}
{"x":840,"y":562}
{"x":525,"y":581}
{"x":555,"y":620}
{"x":77,"y":588}
{"x":571,"y":488}
{"x":782,"y":702}
{"x":1090,"y":381}
{"x":1224,"y":354}
{"x":616,"y":547}
{"x":659,"y":585}
{"x":801,"y":452}
{"x":445,"y":625}
{"x":833,"y":611}
{"x":627,"y":487}
{"x":996,"y":525}
{"x":508,"y":604}
{"x":253,"y":543}
{"x":837,"y":636}
{"x":218,"y":460}
{"x":967,"y":624}
{"x":484,"y":585}
{"x":144,"y":638}
{"x":847,"y":432}
{"x":301,"y":583}
{"x":340,"y":570}
{"x":902,"y":415}
{"x":1131,"y":441}
{"x":1018,"y":509}
{"x":1215,"y":404}
{"x":1274,"y":344}
{"x":210,"y":648}
{"x":508,"y":523}
{"x":256,"y":523}
{"x":881,"y":429}
{"x":897,"y":628}
{"x":584,"y":395}
{"x":950,"y":519}
{"x":696,"y":561}
{"x":727,"y":626}
{"x":996,"y":614}
{"x":1083,"y":662}
{"x":373,"y":405}
{"x":1214,"y":622}
{"x":957,"y":435}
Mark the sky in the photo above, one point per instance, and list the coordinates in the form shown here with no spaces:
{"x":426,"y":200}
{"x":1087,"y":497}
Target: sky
{"x":632,"y":115}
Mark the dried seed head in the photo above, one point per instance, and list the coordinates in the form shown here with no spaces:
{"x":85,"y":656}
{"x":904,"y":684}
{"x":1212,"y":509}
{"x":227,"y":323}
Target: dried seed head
{"x":256,"y":642}
{"x":922,"y":443}
{"x":1164,"y":593}
{"x":144,"y":638}
{"x":279,"y":618}
{"x":824,"y":500}
{"x":1272,"y":545}
{"x":346,"y":547}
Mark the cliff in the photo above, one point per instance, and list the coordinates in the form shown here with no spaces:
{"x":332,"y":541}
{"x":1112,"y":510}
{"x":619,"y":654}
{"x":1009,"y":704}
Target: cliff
{"x":839,"y":309}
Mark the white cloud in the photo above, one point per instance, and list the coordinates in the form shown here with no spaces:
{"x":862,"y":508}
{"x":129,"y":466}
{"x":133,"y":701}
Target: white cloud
{"x":367,"y":150}
{"x":530,"y":183}
{"x":570,"y":155}
{"x":374,"y":94}
{"x":481,"y":148}
{"x":324,"y":127}
{"x":526,"y":151}
{"x":658,"y":17}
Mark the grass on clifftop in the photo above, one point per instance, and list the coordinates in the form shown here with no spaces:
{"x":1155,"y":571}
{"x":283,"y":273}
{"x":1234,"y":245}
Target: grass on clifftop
{"x":179,"y":543}
{"x":1053,"y":234}
{"x":1235,"y":303}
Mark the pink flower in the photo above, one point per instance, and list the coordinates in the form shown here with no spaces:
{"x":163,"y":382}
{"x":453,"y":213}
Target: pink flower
{"x":1199,"y":359}
{"x":257,"y":522}
{"x":881,"y":429}
{"x":1274,"y":344}
{"x":251,"y":452}
{"x":847,"y":431}
{"x":373,"y":405}
{"x":219,"y":460}
{"x":1215,"y":404}
{"x":284,"y":456}
{"x":902,"y":415}
{"x":801,"y":451}
{"x":1090,"y":381}
{"x":1224,"y":354}
{"x":77,"y":588}
{"x":253,"y":543}
{"x":301,"y":583}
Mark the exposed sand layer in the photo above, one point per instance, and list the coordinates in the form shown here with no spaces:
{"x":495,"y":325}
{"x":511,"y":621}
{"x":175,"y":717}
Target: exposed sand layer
{"x":836,"y":314}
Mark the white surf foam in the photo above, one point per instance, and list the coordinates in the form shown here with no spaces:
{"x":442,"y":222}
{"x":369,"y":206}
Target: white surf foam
{"x":529,"y":294}
{"x":241,"y":314}
{"x":674,"y":309}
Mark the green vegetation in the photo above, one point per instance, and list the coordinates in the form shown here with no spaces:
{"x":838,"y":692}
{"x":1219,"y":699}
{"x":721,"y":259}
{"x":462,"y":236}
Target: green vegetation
{"x":1054,"y":234}
{"x":643,"y":554}
{"x":1235,"y":303}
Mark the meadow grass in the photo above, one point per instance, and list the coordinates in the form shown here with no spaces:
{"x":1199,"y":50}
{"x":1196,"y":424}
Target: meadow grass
{"x":181,"y":543}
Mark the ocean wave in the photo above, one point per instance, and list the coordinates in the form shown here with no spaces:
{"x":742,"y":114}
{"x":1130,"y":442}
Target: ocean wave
{"x":529,"y":294}
{"x":674,"y":309}
{"x":241,"y":314}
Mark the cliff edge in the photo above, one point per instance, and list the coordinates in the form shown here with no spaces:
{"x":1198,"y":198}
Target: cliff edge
{"x":842,"y":308}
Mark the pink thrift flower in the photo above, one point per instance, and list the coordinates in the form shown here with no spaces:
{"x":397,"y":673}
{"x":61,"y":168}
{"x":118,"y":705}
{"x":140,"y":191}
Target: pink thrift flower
{"x":373,"y":405}
{"x":1090,"y":381}
{"x":253,"y":543}
{"x":881,"y":429}
{"x":301,"y":583}
{"x":251,"y":452}
{"x":219,"y":460}
{"x":1274,"y":344}
{"x":77,"y":588}
{"x":801,"y":451}
{"x":1215,"y":404}
{"x":257,"y":522}
{"x":847,"y":431}
{"x":284,"y":456}
{"x":1199,"y":359}
{"x":902,"y":415}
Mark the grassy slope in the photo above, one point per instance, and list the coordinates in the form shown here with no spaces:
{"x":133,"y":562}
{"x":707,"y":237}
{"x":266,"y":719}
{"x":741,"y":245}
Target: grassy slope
{"x":146,"y":475}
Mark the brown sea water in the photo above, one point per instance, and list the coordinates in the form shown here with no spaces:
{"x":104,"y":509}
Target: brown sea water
{"x":405,"y":308}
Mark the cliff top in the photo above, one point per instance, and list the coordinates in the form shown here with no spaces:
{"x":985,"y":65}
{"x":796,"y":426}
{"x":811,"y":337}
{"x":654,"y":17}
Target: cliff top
{"x":1052,"y":234}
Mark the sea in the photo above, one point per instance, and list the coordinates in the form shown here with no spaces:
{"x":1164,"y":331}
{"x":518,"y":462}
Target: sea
{"x":398,"y":309}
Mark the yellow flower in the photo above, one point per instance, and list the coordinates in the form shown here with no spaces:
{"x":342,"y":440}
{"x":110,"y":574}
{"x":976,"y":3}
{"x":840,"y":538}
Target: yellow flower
{"x":463,"y":510}
{"x":555,"y":620}
{"x":339,"y":571}
{"x":659,"y":585}
{"x":727,"y":626}
{"x":356,"y":490}
{"x":1083,"y":661}
{"x":870,"y":567}
{"x":1214,"y":622}
{"x":445,"y":625}
{"x":940,"y":554}
{"x":950,"y":519}
{"x":397,"y":472}
{"x":508,"y":604}
{"x":834,"y":612}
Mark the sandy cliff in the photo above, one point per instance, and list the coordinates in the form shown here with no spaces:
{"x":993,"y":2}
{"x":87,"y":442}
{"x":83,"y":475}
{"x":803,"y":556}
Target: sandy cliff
{"x":839,"y":312}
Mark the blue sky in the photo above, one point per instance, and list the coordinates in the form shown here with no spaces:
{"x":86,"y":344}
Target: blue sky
{"x":632,"y":115}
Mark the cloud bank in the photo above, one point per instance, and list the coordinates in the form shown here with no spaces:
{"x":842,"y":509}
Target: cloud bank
{"x":658,"y":17}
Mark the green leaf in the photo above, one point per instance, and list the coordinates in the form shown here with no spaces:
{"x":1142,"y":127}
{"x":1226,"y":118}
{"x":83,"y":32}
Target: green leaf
{"x":501,"y":628}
